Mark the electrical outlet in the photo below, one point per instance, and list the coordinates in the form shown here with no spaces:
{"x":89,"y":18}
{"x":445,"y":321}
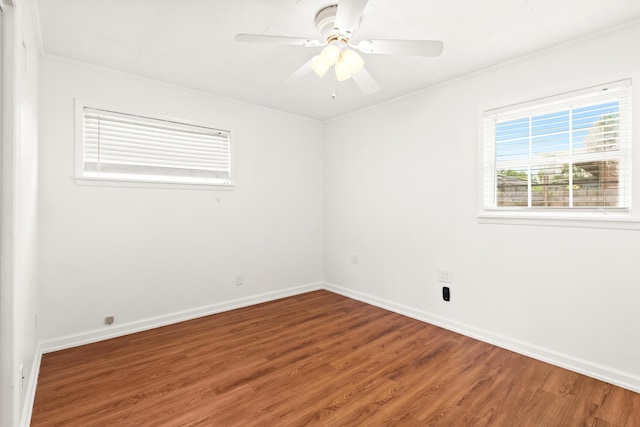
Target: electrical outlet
{"x":445,"y":276}
{"x":239,"y":279}
{"x":355,"y":259}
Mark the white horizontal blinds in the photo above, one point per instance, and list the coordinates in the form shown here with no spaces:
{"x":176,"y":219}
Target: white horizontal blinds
{"x":127,"y":146}
{"x":570,"y":151}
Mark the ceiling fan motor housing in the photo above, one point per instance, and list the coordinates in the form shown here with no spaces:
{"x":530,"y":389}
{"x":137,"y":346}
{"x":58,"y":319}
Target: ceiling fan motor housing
{"x":325,"y":24}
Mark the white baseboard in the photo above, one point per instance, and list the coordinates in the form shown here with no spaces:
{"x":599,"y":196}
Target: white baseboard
{"x":585,"y":367}
{"x":594,"y":370}
{"x":30,"y":394}
{"x":75,"y":340}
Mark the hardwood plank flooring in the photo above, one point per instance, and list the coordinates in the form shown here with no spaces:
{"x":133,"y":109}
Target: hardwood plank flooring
{"x":315,"y":359}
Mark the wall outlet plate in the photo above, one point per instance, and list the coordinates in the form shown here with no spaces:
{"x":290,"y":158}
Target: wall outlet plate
{"x":445,"y":276}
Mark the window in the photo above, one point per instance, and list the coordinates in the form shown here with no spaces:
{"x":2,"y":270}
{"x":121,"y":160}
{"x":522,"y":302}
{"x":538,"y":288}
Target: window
{"x":127,"y":147}
{"x":565,"y":153}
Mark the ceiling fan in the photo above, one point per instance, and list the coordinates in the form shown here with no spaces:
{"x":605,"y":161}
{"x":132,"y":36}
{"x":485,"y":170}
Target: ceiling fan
{"x":336,"y":26}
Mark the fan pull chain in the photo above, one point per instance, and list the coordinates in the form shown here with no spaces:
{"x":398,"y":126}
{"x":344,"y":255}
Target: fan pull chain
{"x":335,"y":83}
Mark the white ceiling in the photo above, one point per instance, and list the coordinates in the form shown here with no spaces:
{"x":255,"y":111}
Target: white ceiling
{"x":190,"y":42}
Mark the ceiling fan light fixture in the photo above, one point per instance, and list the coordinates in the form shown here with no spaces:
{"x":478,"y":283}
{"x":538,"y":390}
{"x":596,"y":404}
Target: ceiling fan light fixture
{"x":319,"y":66}
{"x":343,"y":71}
{"x":330,"y":55}
{"x":353,"y":60}
{"x":336,"y":26}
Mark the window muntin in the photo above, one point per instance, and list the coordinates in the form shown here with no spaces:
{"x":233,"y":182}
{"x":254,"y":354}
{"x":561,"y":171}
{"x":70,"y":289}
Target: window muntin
{"x":128,"y":147}
{"x":570,"y":151}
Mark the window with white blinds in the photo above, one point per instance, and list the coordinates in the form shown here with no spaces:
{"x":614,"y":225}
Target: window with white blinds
{"x":128,"y":147}
{"x":567,"y":152}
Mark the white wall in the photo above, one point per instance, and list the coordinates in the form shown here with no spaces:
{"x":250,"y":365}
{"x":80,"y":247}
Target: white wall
{"x":401,"y":191}
{"x":26,"y":209}
{"x":19,"y":210}
{"x":140,"y":253}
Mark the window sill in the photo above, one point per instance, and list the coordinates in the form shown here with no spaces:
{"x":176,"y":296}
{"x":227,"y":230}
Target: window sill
{"x":111,"y":182}
{"x":592,"y":219}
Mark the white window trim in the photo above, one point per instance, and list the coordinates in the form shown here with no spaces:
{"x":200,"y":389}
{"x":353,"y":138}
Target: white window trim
{"x":606,"y":218}
{"x":602,"y":219}
{"x":82,"y":180}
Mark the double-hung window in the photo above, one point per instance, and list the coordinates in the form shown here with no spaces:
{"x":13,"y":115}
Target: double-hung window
{"x":118,"y":146}
{"x":567,"y":153}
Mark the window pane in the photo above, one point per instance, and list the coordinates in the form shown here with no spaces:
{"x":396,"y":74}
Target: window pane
{"x":585,"y":117}
{"x":514,"y":149}
{"x":550,"y":186}
{"x":596,"y":128}
{"x":550,"y":134}
{"x":551,"y":145}
{"x":550,"y":123}
{"x":513,"y":187}
{"x":595,"y":183}
{"x":512,"y":140}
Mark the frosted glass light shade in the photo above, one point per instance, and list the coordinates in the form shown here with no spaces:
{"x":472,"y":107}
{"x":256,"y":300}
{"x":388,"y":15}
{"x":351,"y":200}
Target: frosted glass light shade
{"x":353,"y":60}
{"x":330,"y":55}
{"x":343,"y":72}
{"x":319,"y":66}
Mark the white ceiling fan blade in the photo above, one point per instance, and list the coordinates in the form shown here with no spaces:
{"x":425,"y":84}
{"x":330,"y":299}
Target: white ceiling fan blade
{"x":348,"y":15}
{"x":262,"y":38}
{"x":402,"y":47}
{"x":365,"y":82}
{"x":300,"y":73}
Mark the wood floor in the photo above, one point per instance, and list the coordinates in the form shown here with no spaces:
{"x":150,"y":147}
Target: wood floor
{"x":315,"y":359}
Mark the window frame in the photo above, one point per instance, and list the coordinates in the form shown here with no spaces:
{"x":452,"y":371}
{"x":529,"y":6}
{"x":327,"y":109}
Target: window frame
{"x":81,"y":179}
{"x":592,"y":217}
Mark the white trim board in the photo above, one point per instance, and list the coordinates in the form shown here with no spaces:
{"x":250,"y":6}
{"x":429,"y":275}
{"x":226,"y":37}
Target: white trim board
{"x":109,"y":332}
{"x":581,"y":366}
{"x":30,"y":394}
